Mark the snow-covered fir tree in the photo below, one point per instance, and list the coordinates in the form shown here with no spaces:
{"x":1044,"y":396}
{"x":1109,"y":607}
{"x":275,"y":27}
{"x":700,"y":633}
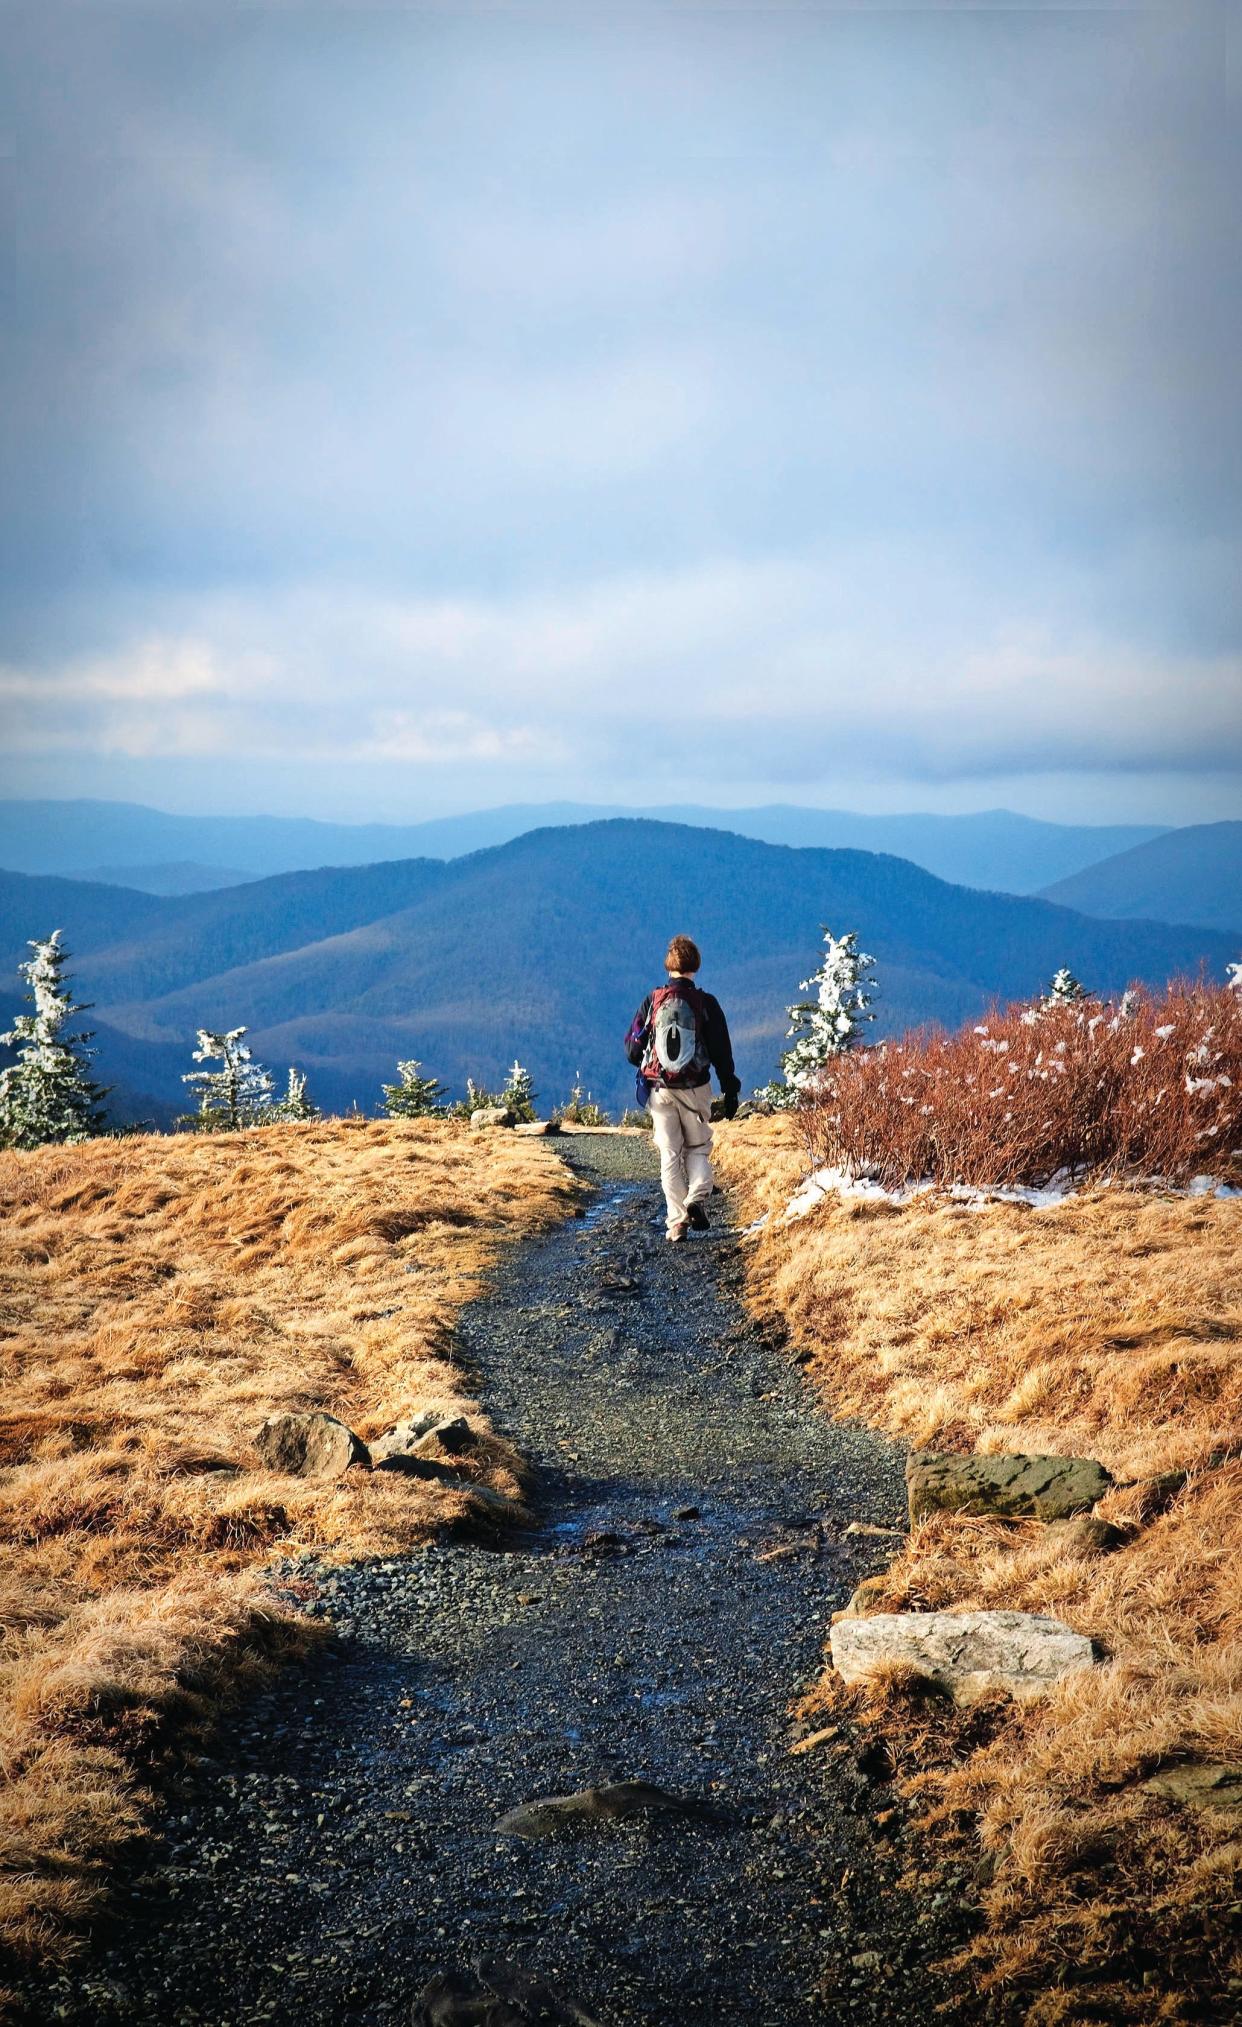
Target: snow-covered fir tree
{"x":1065,"y":989}
{"x":519,"y":1093}
{"x":238,"y":1094}
{"x":48,"y":1093}
{"x":413,"y":1096}
{"x":835,"y":1019}
{"x":297,"y":1102}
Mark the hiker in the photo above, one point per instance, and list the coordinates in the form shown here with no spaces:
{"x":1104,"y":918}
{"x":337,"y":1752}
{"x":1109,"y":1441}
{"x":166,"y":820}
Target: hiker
{"x":676,"y":1039}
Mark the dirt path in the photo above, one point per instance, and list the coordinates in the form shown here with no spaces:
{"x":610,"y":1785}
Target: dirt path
{"x":340,"y":1848}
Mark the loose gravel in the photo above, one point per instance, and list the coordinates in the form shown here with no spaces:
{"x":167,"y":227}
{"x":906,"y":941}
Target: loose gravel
{"x":339,"y":1848}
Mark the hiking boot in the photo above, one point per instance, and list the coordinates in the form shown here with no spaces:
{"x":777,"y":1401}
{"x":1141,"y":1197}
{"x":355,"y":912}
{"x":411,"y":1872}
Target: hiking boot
{"x":696,"y":1218}
{"x":676,"y":1233}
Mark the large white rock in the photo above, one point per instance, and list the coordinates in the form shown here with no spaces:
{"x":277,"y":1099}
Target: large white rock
{"x":970,"y":1654}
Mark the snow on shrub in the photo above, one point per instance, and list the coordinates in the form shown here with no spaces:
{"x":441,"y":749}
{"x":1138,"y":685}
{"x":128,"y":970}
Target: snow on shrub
{"x":1151,"y":1087}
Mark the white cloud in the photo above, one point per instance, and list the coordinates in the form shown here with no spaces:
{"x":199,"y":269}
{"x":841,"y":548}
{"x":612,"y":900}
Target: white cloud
{"x":785,"y":670}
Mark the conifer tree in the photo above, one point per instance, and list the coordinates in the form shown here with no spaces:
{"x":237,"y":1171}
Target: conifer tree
{"x":48,"y":1093}
{"x":520,"y":1094}
{"x":238,"y":1094}
{"x":413,"y":1096}
{"x":296,"y":1103}
{"x":1065,"y":989}
{"x":834,"y":1020}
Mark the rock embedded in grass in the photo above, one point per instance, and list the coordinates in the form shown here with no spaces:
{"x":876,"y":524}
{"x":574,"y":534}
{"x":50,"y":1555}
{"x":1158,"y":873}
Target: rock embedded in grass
{"x":432,"y":1436}
{"x":1006,"y":1484}
{"x":1197,"y":1785}
{"x":492,"y":1115}
{"x":966,"y":1654}
{"x":310,"y":1446}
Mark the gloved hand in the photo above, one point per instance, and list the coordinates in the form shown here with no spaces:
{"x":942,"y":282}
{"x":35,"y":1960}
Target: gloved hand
{"x":730,"y":1104}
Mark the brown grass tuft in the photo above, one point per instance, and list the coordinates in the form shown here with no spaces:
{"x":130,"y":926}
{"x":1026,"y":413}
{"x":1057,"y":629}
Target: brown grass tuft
{"x":1110,"y":1325}
{"x":158,"y":1298}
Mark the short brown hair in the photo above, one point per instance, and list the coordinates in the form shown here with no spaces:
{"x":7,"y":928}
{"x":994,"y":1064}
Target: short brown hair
{"x":682,"y":955}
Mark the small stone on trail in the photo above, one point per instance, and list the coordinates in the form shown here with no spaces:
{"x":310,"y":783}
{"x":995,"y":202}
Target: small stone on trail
{"x":814,"y":1738}
{"x":969,"y":1654}
{"x":497,"y":1995}
{"x":866,"y":1595}
{"x":1009,"y":1485}
{"x":685,"y":1513}
{"x":868,"y":1527}
{"x":309,"y":1446}
{"x":621,"y":1799}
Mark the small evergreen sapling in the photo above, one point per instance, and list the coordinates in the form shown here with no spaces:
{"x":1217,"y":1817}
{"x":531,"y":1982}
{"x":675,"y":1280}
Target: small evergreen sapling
{"x":238,"y":1094}
{"x":520,"y":1094}
{"x":296,"y":1103}
{"x":48,"y":1094}
{"x":834,"y":1020}
{"x":1065,"y":989}
{"x":413,"y":1096}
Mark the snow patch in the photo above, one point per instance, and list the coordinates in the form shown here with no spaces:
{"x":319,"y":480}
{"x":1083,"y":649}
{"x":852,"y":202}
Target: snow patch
{"x":837,"y":1182}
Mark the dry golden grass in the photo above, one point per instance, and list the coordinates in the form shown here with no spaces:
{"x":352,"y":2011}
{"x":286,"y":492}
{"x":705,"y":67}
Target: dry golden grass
{"x":158,"y":1298}
{"x":1111,"y":1326}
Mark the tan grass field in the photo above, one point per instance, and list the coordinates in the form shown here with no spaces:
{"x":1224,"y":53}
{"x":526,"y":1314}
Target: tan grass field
{"x":158,"y":1298}
{"x":1110,"y":1326}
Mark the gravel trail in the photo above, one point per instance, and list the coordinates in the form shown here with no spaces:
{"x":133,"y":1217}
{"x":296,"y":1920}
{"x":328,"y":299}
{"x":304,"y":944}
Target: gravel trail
{"x":338,"y":1848}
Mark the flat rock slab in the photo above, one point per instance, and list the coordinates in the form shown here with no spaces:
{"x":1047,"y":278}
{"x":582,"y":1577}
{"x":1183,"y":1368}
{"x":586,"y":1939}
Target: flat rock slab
{"x":1198,"y":1786}
{"x":1012,"y":1486}
{"x":310,"y":1446}
{"x":536,"y":1129}
{"x":969,"y":1654}
{"x":555,"y":1813}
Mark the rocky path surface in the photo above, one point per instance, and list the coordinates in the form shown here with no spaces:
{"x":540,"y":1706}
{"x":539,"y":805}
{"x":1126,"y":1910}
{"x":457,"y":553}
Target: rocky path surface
{"x":340,"y":1849}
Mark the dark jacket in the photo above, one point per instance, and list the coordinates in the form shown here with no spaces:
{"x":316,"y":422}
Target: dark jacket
{"x":716,"y":1037}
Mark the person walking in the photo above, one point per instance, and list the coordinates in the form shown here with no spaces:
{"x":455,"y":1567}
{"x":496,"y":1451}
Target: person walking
{"x":676,"y":1039}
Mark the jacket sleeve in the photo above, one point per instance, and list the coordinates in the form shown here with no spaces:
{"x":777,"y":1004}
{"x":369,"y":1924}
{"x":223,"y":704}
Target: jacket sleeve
{"x":635,"y":1032}
{"x":719,"y":1047}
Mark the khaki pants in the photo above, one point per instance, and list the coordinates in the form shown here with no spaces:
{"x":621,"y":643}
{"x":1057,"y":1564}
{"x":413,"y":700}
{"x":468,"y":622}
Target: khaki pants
{"x":683,"y":1133}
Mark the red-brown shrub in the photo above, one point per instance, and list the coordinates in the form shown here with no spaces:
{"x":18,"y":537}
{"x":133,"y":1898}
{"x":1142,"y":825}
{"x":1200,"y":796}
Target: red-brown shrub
{"x":1152,"y":1088}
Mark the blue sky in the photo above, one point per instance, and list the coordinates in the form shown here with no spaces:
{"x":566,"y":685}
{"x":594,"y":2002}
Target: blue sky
{"x":418,"y":408}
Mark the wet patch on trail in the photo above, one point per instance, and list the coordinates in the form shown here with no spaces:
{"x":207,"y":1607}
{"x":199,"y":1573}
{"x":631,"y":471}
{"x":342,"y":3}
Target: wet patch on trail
{"x":341,"y":1847}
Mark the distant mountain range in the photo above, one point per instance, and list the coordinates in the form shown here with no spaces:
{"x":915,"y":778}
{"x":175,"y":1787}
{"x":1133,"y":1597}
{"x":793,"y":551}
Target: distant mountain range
{"x":1190,"y":875}
{"x":540,"y":948}
{"x":130,"y":845}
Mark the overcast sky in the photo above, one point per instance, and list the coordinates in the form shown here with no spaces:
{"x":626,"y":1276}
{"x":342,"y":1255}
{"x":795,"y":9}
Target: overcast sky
{"x":413,"y":408}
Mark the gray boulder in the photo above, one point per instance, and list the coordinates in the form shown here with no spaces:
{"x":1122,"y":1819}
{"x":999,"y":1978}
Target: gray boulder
{"x":310,"y":1446}
{"x":492,"y":1115}
{"x":968,"y":1654}
{"x":428,"y":1438}
{"x":1012,"y":1486}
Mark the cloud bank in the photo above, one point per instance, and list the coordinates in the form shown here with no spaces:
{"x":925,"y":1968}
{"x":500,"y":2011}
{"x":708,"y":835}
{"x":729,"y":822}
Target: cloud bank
{"x":413,"y":409}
